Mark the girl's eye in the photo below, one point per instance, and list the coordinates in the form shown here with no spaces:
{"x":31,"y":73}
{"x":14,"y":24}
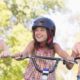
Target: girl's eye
{"x":36,"y":30}
{"x":39,"y":30}
{"x":42,"y":29}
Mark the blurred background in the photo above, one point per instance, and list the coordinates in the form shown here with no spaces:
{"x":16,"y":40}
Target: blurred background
{"x":16,"y":18}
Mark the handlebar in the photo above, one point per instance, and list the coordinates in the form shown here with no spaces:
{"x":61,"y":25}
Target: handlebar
{"x":77,"y":58}
{"x":47,"y":58}
{"x":57,"y":59}
{"x":41,"y":57}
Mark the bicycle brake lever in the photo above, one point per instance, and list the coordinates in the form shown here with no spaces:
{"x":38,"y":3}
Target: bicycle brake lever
{"x":72,"y":62}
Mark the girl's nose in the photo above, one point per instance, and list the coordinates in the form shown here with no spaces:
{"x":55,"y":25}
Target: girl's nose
{"x":38,"y":32}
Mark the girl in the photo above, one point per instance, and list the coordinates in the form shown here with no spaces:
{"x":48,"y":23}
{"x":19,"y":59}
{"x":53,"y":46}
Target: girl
{"x":42,"y":45}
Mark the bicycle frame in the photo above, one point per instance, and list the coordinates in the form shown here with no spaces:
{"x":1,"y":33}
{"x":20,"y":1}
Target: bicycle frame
{"x":45,"y":72}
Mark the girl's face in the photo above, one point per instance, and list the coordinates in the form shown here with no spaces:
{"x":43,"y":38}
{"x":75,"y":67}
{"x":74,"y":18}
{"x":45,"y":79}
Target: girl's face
{"x":40,"y":34}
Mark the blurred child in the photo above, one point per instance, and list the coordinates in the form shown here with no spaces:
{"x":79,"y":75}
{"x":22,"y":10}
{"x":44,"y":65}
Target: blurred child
{"x":75,"y":53}
{"x":3,"y":48}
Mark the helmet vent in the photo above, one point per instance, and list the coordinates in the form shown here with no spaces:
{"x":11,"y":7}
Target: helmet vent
{"x":41,"y":23}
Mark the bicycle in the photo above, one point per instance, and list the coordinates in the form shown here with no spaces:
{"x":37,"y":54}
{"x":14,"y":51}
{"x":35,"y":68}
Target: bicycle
{"x":45,"y":72}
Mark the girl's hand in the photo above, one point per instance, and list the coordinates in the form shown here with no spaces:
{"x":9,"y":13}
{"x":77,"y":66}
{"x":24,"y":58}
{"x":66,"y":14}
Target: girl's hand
{"x":70,"y":59}
{"x":69,"y":62}
{"x":18,"y":56}
{"x":4,"y":54}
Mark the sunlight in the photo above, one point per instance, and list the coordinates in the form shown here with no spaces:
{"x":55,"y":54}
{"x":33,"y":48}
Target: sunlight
{"x":73,"y":5}
{"x":67,"y":24}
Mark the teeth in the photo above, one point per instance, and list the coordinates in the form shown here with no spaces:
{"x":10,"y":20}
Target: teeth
{"x":38,"y":36}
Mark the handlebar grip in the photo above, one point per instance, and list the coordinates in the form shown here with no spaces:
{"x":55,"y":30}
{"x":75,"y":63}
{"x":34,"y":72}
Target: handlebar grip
{"x":76,"y":58}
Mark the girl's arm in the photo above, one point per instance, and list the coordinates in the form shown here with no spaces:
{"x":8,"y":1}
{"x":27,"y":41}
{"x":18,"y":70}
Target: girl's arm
{"x":60,"y":51}
{"x":76,"y":48}
{"x":26,"y":52}
{"x":64,"y":55}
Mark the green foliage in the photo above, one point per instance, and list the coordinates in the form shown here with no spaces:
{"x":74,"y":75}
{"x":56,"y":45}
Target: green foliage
{"x":32,"y":8}
{"x":4,"y":18}
{"x":16,"y":39}
{"x":14,"y":71}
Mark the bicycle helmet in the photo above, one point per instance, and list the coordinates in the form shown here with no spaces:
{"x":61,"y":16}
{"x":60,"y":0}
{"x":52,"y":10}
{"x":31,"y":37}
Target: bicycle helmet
{"x":44,"y":22}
